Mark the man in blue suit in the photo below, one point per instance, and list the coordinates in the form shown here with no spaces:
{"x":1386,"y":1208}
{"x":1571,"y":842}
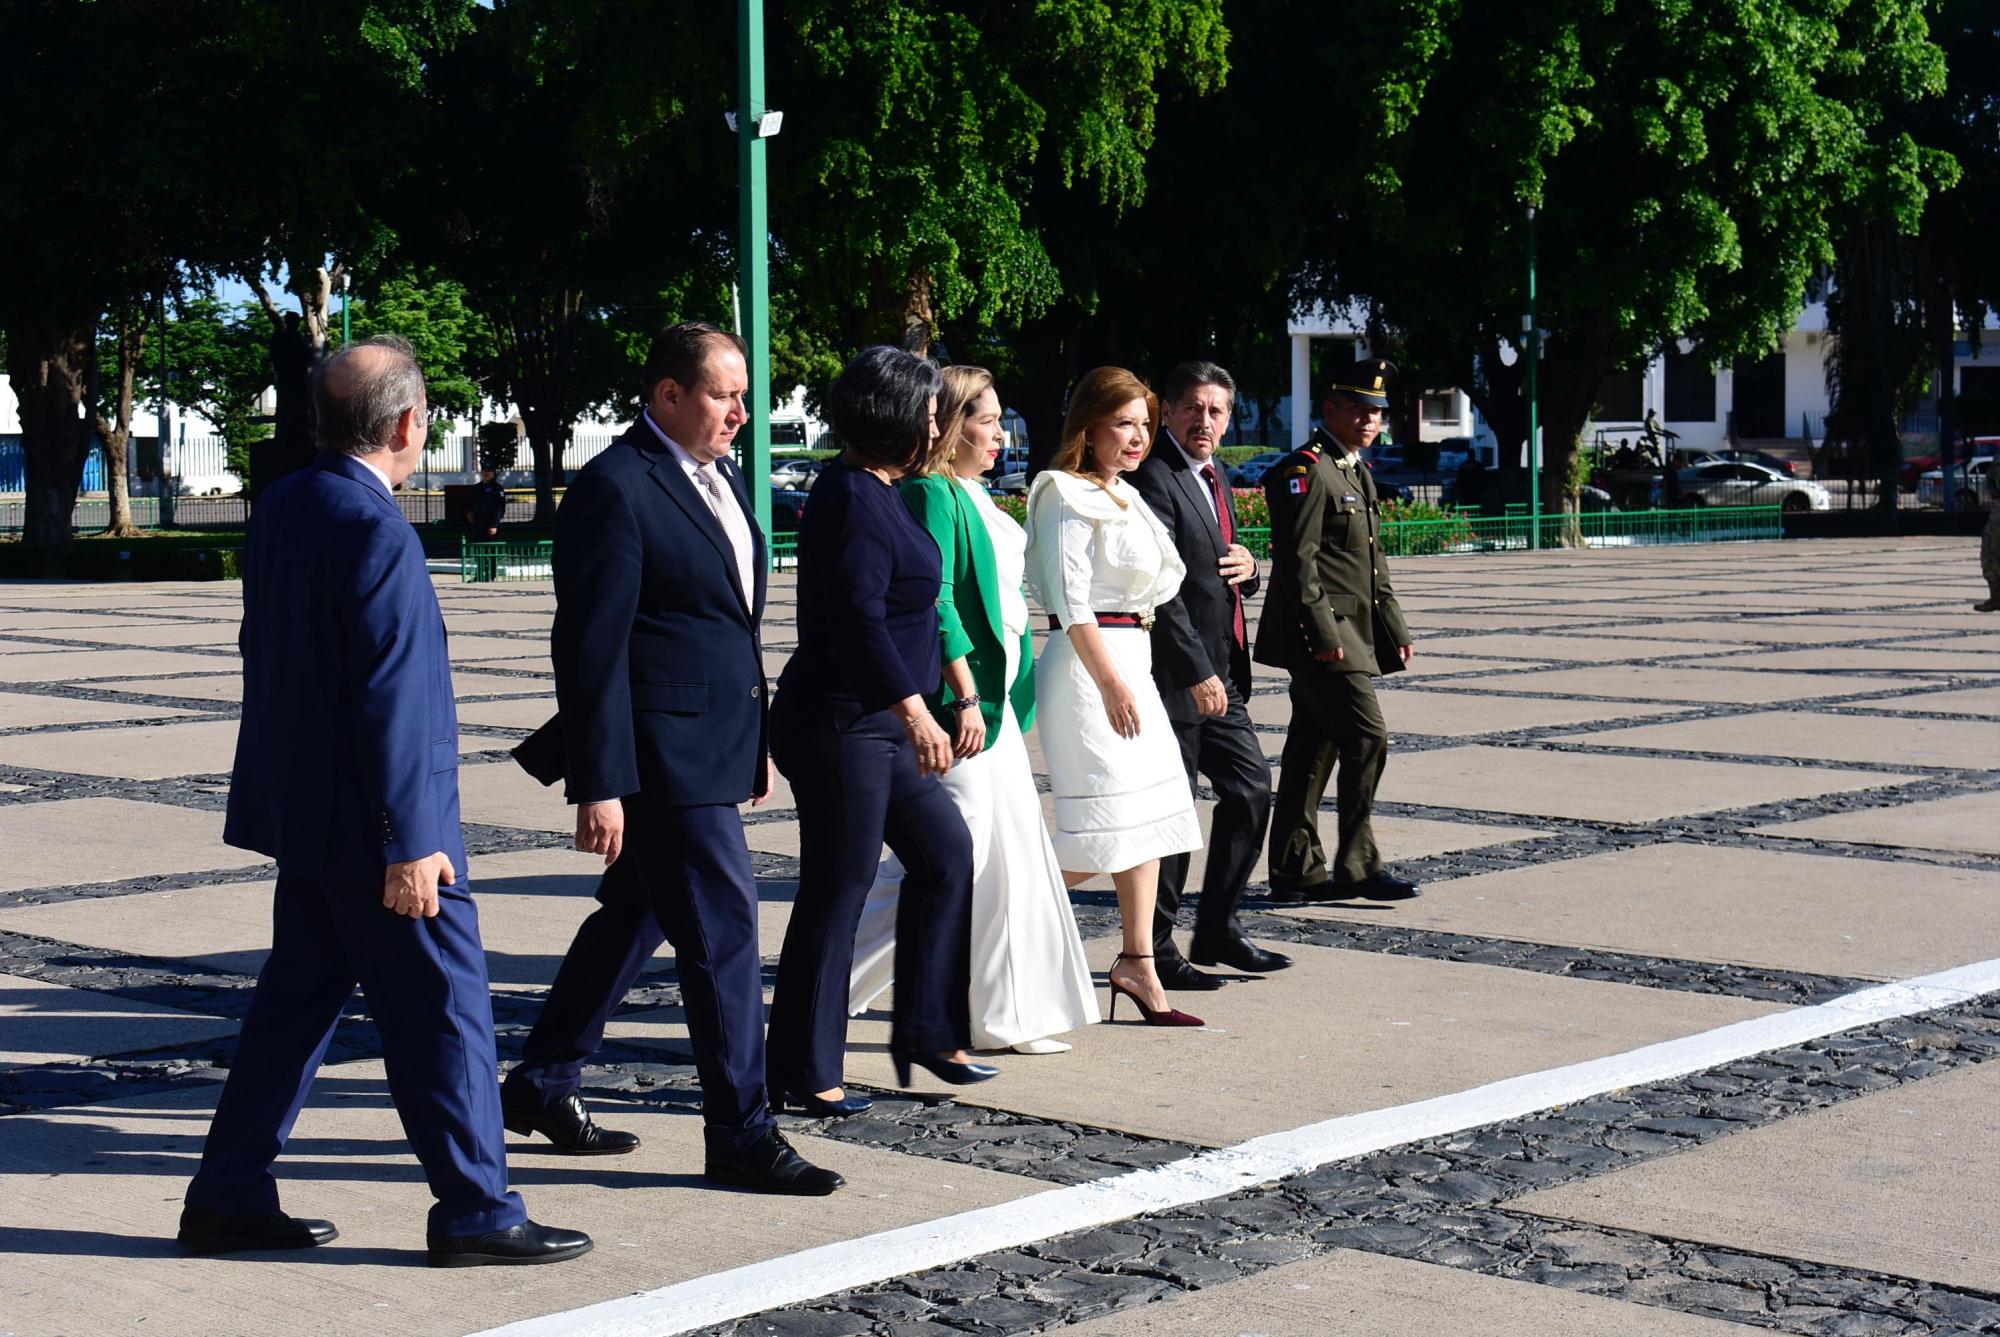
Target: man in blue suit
{"x":660,"y":687}
{"x":347,"y":775}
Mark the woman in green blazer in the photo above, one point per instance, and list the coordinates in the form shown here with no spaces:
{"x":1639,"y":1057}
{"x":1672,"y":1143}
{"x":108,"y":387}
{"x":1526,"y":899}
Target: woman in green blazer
{"x":1029,"y":977}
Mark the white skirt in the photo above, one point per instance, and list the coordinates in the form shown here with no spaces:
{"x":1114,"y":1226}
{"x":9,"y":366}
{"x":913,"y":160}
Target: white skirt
{"x":1119,"y":801}
{"x":1029,"y":976}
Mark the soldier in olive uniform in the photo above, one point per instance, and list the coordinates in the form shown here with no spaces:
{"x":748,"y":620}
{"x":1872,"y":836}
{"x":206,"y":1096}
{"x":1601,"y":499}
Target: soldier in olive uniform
{"x":1331,"y":618}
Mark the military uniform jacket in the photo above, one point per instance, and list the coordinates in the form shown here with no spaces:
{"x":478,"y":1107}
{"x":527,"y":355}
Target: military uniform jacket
{"x":1329,"y":579}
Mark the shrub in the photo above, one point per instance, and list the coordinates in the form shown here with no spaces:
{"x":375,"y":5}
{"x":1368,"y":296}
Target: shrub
{"x":1014,"y":506}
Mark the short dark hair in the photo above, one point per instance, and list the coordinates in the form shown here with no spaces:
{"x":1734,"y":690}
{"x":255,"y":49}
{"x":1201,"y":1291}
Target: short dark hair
{"x":357,"y":406}
{"x":879,"y":407}
{"x":680,"y":352}
{"x":1188,"y":375}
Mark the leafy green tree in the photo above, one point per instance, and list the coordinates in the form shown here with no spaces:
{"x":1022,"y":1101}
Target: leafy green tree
{"x":218,"y":365}
{"x":938,"y":140}
{"x":1688,"y":163}
{"x":452,"y":343}
{"x":562,"y":183}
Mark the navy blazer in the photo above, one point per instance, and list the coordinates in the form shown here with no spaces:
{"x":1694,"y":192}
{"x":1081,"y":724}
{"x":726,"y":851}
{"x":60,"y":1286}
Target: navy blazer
{"x":659,"y":665}
{"x":347,"y":755}
{"x":1194,"y":635}
{"x":869,"y":577}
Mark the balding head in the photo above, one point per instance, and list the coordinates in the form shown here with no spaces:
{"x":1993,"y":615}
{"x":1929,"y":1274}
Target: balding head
{"x":364,"y":393}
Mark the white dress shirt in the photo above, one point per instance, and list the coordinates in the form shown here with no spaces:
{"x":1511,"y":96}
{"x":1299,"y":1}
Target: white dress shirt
{"x":1195,"y":467}
{"x":369,"y":464}
{"x":735,"y":525}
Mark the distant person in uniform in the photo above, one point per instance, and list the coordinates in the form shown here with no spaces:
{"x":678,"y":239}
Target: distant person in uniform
{"x":1331,"y":618}
{"x":489,"y":505}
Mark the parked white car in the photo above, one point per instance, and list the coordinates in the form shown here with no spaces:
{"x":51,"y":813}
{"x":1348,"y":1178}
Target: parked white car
{"x":1741,"y":483}
{"x":1975,"y":479}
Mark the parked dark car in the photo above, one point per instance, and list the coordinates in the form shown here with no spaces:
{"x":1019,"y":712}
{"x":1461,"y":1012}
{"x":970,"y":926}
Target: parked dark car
{"x":788,"y":504}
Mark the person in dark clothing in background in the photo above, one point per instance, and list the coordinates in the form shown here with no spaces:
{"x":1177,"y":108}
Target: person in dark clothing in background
{"x":850,"y":730}
{"x":489,"y":505}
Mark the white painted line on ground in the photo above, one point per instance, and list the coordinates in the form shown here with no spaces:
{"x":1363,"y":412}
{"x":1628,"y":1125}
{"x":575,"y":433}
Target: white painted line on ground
{"x":833,"y":1268}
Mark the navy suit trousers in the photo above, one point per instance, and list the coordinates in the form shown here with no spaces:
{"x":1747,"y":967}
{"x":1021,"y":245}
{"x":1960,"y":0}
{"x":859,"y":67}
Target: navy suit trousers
{"x":425,"y":980}
{"x":857,"y":786}
{"x":684,"y":877}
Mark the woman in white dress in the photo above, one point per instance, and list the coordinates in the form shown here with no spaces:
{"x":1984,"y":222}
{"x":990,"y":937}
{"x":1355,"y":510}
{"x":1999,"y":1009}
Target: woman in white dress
{"x":1029,"y":977}
{"x":1100,"y":562}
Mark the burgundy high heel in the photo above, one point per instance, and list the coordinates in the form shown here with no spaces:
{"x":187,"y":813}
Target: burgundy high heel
{"x":1172,"y":1016}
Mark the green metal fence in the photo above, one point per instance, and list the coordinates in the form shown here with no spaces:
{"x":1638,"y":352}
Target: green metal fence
{"x":1591,"y":529}
{"x":785,"y":551}
{"x":523,"y":560}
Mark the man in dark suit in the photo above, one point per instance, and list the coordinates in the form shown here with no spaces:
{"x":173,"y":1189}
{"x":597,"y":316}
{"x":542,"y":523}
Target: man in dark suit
{"x":347,"y":775}
{"x":660,"y":686}
{"x":1201,"y":663}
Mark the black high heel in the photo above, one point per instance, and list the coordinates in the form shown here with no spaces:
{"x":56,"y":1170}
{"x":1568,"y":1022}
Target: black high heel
{"x":817,"y":1108}
{"x":957,"y":1074}
{"x":1171,"y":1016}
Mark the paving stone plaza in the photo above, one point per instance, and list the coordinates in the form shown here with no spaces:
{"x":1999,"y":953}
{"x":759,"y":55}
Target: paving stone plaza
{"x":1626,"y":1067}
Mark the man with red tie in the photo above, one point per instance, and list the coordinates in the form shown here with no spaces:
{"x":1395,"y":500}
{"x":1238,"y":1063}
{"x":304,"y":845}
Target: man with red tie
{"x":1201,"y":663}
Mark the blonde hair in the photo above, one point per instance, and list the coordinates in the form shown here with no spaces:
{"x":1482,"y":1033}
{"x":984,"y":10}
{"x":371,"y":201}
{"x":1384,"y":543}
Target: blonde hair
{"x":1101,"y":393}
{"x":962,"y":385}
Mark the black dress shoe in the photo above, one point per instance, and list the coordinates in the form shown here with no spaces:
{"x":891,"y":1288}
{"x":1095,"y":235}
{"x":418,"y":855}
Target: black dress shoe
{"x":566,"y":1123}
{"x":1380,"y":887}
{"x":1175,"y":973}
{"x":816,"y":1108}
{"x":1237,"y":951}
{"x":519,"y":1246}
{"x":770,"y":1166}
{"x":1286,"y":892}
{"x":203,"y":1231}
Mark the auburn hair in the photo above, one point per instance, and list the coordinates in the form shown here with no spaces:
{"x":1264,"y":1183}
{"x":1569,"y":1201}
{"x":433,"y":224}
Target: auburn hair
{"x":1101,"y":393}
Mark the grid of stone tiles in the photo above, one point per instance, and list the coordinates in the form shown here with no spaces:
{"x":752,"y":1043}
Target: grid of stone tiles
{"x":1443,"y":1201}
{"x":1680,"y":1277}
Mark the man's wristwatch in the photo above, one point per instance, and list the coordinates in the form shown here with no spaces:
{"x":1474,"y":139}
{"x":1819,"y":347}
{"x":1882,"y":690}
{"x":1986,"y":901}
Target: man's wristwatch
{"x":964,"y":702}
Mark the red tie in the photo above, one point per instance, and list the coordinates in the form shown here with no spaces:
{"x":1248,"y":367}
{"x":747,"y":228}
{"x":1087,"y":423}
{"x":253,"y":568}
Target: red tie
{"x":1228,"y":524}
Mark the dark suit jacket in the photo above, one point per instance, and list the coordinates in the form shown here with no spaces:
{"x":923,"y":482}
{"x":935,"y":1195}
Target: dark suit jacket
{"x":347,"y":757}
{"x":1194,"y":636}
{"x":659,"y":667}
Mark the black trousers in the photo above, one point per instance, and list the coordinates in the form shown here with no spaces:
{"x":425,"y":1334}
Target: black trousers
{"x":855,"y":779}
{"x":1335,"y":718}
{"x":684,"y":876}
{"x":1225,"y":749}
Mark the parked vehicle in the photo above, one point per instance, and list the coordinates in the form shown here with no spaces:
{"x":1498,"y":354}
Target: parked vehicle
{"x":1251,"y":472}
{"x":1763,"y":457}
{"x":1974,"y":477}
{"x":798,"y":473}
{"x":1910,"y":473}
{"x":788,"y":506}
{"x":1739,"y":483}
{"x":1010,"y":485}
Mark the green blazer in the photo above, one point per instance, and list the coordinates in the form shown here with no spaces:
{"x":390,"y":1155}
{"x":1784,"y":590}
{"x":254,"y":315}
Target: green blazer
{"x":969,"y":605}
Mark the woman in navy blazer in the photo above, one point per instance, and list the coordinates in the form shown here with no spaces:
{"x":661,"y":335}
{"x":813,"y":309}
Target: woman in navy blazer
{"x":851,"y":731}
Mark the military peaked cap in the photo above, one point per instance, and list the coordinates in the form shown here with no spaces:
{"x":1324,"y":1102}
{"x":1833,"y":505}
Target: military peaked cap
{"x":1367,"y":380}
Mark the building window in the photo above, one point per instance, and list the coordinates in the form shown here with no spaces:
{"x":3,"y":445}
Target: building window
{"x":1690,"y":388}
{"x":1621,"y":398}
{"x":1441,"y":409}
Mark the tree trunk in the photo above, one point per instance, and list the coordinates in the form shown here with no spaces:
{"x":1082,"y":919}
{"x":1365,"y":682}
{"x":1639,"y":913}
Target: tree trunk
{"x":116,"y":431}
{"x":1570,"y":384}
{"x":919,"y":318}
{"x":48,"y":361}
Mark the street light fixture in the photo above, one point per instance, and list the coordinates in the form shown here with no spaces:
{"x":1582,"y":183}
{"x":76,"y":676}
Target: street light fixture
{"x":346,"y":282}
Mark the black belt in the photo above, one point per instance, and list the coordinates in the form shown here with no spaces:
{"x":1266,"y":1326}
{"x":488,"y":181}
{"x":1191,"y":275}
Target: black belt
{"x":1143,"y":621}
